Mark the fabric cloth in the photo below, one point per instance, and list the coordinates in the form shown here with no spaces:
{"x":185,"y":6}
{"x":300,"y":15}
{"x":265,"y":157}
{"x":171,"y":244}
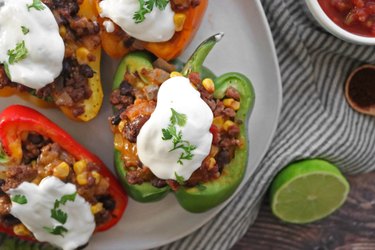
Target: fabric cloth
{"x":315,"y":121}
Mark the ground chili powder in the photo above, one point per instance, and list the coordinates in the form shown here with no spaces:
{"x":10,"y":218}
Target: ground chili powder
{"x":362,"y":87}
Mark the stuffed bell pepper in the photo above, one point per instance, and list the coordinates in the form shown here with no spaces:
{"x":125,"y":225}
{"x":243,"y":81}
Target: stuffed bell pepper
{"x":51,"y":188}
{"x":163,"y":27}
{"x":180,"y":131}
{"x":50,"y":54}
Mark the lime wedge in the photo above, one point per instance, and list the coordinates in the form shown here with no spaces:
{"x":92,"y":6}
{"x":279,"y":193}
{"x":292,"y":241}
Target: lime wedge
{"x":307,"y":191}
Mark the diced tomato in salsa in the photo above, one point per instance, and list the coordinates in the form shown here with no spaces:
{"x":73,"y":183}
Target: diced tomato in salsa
{"x":355,"y":16}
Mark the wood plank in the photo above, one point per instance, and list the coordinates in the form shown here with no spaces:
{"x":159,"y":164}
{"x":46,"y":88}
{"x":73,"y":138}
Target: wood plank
{"x":351,"y":227}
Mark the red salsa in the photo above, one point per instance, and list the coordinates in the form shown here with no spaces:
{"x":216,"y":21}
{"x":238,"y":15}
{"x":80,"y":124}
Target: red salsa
{"x":355,"y":16}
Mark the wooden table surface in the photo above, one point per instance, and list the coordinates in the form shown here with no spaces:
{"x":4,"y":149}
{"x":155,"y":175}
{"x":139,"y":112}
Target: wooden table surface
{"x":351,"y":227}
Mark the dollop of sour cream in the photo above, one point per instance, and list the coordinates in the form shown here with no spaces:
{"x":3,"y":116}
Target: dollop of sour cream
{"x":158,"y":25}
{"x":53,"y":212}
{"x":109,"y":26}
{"x":30,"y":31}
{"x":180,"y":116}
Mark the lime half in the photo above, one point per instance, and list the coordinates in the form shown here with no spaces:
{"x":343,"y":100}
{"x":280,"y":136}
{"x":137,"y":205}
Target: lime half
{"x":307,"y":191}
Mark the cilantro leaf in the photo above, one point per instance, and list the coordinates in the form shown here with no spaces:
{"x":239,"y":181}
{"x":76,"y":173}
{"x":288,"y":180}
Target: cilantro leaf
{"x":58,"y":230}
{"x":146,"y":6}
{"x":37,"y":4}
{"x":56,"y":204}
{"x":59,"y":215}
{"x":20,"y":199}
{"x":178,"y":118}
{"x":161,"y":4}
{"x":17,"y":54}
{"x":25,"y":30}
{"x":171,"y":133}
{"x":166,"y":134}
{"x":7,"y":72}
{"x":68,"y":197}
{"x":180,"y":180}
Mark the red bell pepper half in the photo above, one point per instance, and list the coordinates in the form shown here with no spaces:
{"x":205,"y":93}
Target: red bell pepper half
{"x":16,"y":120}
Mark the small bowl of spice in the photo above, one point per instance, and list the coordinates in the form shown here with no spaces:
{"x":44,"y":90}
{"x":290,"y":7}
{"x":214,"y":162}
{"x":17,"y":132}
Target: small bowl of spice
{"x":350,"y":20}
{"x":360,"y":89}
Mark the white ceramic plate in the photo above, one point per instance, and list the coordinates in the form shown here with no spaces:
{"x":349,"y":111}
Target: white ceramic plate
{"x":247,"y":47}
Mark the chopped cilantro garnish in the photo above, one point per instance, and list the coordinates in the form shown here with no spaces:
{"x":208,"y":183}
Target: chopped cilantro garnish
{"x":25,"y":30}
{"x":17,"y":54}
{"x":146,"y":6}
{"x":68,"y":197}
{"x":7,"y":72}
{"x":180,"y":180}
{"x":59,"y":215}
{"x":58,"y":230}
{"x":37,"y":4}
{"x":170,"y":133}
{"x":20,"y":199}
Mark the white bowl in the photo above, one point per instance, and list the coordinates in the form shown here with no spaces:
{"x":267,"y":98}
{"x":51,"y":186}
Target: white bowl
{"x":333,"y":28}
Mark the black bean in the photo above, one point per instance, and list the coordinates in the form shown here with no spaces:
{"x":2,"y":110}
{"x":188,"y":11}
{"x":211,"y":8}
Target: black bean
{"x":108,"y":202}
{"x":9,"y":220}
{"x":125,"y":88}
{"x":35,"y":138}
{"x":129,"y":42}
{"x":132,"y":128}
{"x":86,"y":70}
{"x":156,"y":182}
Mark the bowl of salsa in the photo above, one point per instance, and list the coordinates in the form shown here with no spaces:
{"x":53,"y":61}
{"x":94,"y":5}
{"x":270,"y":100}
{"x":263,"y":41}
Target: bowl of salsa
{"x":350,"y":20}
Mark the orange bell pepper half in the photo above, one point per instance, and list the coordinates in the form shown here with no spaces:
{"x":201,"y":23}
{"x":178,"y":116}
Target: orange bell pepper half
{"x":113,"y":43}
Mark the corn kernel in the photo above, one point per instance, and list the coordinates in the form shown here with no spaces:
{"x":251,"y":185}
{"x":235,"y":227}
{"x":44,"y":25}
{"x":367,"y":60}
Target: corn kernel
{"x":21,"y":230}
{"x":79,"y":166}
{"x":227,"y":124}
{"x":211,"y":163}
{"x":209,"y":85}
{"x":218,"y":122}
{"x":174,"y":74}
{"x":121,"y":126}
{"x":62,"y":170}
{"x":97,"y":208}
{"x":82,"y":55}
{"x":82,"y":179}
{"x":62,"y":31}
{"x":179,"y":21}
{"x":96,"y":176}
{"x":231,"y":103}
{"x":118,"y":142}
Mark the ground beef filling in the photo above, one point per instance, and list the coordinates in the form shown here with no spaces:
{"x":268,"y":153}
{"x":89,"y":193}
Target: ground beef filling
{"x":71,"y":88}
{"x":42,"y":158}
{"x":135,"y":105}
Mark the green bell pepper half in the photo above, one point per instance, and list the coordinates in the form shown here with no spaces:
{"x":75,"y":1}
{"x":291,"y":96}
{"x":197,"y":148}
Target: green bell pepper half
{"x":210,"y":194}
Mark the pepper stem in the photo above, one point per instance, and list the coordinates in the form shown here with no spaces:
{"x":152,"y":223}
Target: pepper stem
{"x":195,"y":62}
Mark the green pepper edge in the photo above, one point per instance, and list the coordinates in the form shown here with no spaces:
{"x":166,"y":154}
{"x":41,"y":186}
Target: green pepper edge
{"x":195,"y":199}
{"x":3,"y":156}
